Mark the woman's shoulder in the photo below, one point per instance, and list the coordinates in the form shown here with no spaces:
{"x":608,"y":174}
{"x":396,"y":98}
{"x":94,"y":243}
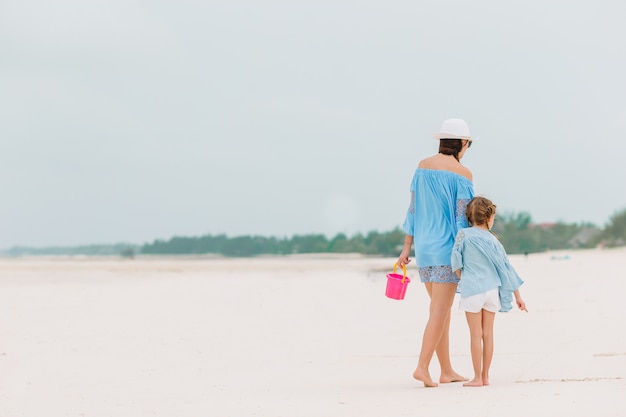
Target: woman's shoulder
{"x":461,"y":170}
{"x":436,"y":163}
{"x":463,"y":178}
{"x":465,"y":172}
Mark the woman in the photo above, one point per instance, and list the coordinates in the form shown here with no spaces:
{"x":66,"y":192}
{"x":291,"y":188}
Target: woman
{"x":440,"y":190}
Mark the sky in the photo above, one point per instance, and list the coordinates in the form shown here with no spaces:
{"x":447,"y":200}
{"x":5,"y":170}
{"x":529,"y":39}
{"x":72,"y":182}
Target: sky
{"x":130,"y":121}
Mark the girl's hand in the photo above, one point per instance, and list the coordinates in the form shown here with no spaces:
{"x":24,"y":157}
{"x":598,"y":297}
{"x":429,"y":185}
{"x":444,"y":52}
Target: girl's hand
{"x":521,"y":304}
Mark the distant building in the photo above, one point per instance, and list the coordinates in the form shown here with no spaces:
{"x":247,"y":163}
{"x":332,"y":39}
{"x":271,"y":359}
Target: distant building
{"x":541,"y":225}
{"x":583,"y":237}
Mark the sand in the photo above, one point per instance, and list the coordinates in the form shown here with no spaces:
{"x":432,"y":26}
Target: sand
{"x":297,"y":336}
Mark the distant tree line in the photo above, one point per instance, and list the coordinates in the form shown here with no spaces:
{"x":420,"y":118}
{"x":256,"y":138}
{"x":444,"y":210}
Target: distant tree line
{"x":519,"y":235}
{"x":374,"y":243}
{"x":614,"y":234}
{"x":515,"y":230}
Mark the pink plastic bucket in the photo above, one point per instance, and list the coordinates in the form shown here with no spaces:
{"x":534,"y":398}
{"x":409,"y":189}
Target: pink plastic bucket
{"x":397,"y":284}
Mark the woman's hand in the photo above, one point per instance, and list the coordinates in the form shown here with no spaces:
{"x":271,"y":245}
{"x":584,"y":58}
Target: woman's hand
{"x":403,"y":259}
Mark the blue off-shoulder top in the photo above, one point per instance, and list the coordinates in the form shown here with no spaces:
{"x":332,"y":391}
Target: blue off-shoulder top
{"x":436,"y":213}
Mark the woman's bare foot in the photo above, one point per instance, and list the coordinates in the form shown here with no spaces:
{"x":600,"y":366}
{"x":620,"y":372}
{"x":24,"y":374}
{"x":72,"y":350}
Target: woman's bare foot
{"x":474,"y":383}
{"x":485,"y":381}
{"x":424,"y":376}
{"x":452,"y":377}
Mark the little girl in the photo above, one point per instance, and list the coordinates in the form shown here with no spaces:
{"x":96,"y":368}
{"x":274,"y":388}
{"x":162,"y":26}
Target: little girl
{"x":487,"y":283}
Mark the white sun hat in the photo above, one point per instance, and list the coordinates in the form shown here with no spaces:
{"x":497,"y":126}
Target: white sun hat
{"x":454,"y":129}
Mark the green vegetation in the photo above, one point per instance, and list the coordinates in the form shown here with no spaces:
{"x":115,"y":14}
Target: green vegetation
{"x":385,"y":244}
{"x":614,"y":234}
{"x":516,"y":231}
{"x":519,"y":235}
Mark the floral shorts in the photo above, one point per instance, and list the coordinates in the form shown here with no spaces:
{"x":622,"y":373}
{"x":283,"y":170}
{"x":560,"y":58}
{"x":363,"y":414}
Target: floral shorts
{"x":441,"y":274}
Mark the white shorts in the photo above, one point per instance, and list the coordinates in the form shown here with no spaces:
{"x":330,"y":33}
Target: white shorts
{"x":489,"y":301}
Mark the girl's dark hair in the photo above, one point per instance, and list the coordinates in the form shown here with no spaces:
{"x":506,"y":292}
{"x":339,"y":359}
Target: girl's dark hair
{"x":479,"y":210}
{"x":450,"y":147}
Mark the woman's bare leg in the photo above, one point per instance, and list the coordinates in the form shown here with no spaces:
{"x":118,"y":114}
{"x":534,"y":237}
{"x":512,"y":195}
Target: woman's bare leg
{"x":441,"y":298}
{"x":443,"y":355}
{"x":475,"y":323}
{"x":488,"y":320}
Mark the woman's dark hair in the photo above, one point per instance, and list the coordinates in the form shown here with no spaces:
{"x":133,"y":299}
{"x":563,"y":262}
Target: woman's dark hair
{"x":450,"y":147}
{"x":479,"y":210}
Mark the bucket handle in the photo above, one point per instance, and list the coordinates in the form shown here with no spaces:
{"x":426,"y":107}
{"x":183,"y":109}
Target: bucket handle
{"x":403,"y":271}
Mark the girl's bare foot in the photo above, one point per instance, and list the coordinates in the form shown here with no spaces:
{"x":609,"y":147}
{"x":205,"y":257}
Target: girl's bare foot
{"x":452,"y":377}
{"x":474,"y":383}
{"x":424,"y":376}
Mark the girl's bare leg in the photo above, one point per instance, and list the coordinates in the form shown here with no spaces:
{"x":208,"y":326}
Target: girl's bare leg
{"x":441,"y":298}
{"x":475,"y":323}
{"x":488,"y":320}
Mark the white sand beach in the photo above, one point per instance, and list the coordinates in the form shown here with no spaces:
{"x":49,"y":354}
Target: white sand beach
{"x":297,"y":337}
